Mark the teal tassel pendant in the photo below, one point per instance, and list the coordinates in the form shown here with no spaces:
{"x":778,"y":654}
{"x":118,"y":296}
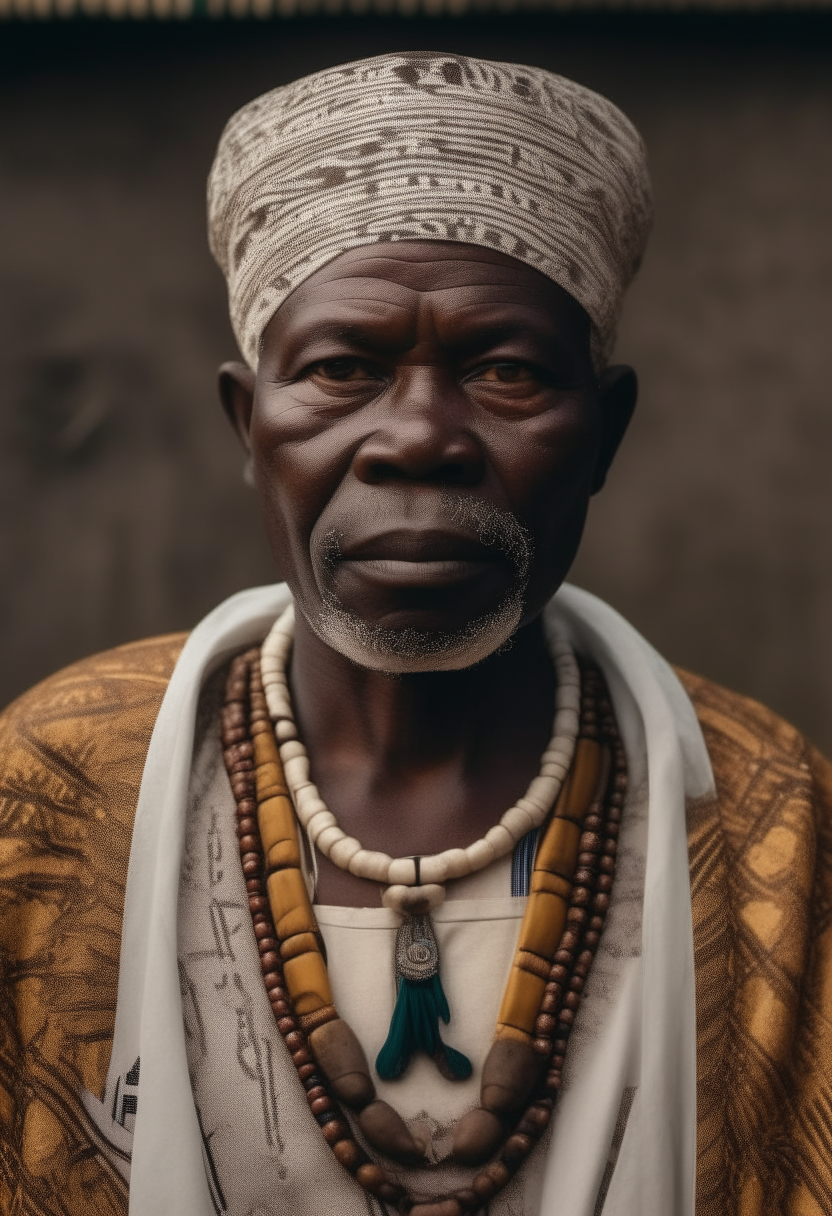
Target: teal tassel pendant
{"x":420,"y":1003}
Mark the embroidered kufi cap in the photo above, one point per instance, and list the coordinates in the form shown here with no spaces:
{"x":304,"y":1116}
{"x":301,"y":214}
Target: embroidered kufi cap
{"x":428,"y":146}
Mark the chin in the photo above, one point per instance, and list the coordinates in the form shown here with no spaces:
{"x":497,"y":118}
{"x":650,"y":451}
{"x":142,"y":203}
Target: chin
{"x":404,"y":650}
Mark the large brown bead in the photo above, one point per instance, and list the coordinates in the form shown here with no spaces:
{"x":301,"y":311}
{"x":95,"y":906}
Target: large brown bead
{"x":354,"y":1089}
{"x":477,"y":1137}
{"x":545,"y":1024}
{"x":467,"y":1198}
{"x":484,"y":1185}
{"x":334,"y":1130}
{"x":517,"y":1147}
{"x":508,"y":1075}
{"x":499,"y":1172}
{"x":386,"y":1131}
{"x":389,"y":1192}
{"x":370,"y":1176}
{"x":342,"y":1059}
{"x":348,"y":1154}
{"x":539,"y":1115}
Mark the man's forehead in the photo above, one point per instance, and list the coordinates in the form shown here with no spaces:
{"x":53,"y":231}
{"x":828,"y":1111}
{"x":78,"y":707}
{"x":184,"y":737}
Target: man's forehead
{"x":377,"y":296}
{"x":401,"y":271}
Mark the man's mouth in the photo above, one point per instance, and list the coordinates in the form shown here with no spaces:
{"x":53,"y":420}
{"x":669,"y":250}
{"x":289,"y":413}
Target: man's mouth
{"x":407,"y":558}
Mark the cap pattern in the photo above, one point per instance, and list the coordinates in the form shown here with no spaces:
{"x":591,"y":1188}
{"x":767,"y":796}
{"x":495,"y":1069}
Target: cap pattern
{"x":428,"y":147}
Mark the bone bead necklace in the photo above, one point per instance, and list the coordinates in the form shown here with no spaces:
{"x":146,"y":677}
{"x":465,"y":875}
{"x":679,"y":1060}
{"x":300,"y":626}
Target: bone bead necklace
{"x":415,"y":885}
{"x":570,"y":892}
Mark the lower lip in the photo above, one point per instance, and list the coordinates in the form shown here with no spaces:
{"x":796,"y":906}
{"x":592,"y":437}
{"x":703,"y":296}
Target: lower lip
{"x":418,"y":574}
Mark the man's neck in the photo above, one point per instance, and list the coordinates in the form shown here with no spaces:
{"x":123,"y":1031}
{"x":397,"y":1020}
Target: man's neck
{"x":419,"y":763}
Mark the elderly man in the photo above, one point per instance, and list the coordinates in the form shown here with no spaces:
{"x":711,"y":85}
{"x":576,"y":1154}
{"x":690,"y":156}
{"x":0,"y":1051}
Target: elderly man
{"x":445,"y":894}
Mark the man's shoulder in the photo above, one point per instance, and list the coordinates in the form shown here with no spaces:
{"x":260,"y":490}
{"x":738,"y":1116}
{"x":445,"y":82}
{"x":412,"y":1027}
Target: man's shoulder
{"x":740,"y":724}
{"x":112,"y":694}
{"x":112,"y":679}
{"x":761,"y":762}
{"x":768,"y":773}
{"x":72,"y":751}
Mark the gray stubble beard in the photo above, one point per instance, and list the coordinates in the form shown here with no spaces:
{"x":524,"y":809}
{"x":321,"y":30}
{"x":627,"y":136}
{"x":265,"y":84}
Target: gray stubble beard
{"x":399,"y":651}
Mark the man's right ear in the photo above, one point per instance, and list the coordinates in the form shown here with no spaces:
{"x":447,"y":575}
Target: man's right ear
{"x":236,"y":386}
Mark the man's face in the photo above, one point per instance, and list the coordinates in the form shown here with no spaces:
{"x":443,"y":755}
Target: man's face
{"x":426,"y":430}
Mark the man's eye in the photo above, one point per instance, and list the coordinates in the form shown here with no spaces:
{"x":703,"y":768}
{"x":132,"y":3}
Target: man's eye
{"x":343,"y":369}
{"x":507,"y":373}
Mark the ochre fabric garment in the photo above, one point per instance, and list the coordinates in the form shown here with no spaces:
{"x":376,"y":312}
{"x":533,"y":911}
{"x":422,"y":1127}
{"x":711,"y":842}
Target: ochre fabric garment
{"x":71,"y":757}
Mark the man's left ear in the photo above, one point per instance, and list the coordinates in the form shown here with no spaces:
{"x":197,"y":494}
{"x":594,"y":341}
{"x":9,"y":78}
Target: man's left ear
{"x":617,"y":396}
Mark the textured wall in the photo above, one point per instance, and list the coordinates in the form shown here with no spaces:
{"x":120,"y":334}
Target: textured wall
{"x":122,"y":511}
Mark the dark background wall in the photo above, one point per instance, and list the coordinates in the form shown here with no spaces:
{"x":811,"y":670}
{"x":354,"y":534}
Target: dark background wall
{"x":122,"y":509}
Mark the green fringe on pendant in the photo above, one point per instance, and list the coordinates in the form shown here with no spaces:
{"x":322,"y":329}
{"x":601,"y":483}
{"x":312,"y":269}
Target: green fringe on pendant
{"x":414,"y":1026}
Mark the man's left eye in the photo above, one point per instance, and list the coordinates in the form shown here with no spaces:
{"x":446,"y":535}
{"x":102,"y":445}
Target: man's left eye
{"x":507,"y":373}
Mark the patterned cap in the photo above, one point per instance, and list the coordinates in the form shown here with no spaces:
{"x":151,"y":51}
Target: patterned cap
{"x":428,"y":146}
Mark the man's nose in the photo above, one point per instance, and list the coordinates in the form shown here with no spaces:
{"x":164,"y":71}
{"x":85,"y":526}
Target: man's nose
{"x":424,"y":435}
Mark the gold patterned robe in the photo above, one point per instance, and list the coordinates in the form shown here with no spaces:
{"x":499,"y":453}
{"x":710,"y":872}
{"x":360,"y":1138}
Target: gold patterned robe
{"x":71,"y":757}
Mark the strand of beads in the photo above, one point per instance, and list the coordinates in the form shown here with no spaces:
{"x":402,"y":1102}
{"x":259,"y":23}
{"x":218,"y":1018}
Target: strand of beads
{"x":561,"y":995}
{"x":402,"y":874}
{"x":239,"y":756}
{"x":593,"y":880}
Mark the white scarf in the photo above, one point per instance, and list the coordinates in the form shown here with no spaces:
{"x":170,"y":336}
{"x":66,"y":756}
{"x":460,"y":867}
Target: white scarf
{"x":652,"y":1028}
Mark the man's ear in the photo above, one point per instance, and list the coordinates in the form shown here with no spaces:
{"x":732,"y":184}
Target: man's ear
{"x":236,"y":385}
{"x":617,"y":394}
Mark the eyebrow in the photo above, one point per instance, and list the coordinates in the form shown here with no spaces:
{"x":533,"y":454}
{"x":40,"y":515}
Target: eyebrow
{"x":356,"y":335}
{"x":364,"y":336}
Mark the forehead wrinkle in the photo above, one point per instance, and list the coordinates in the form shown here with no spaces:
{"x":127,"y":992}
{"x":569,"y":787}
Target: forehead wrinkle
{"x":357,"y":332}
{"x":411,"y":275}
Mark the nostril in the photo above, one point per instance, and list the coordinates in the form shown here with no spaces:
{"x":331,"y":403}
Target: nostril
{"x":449,"y":472}
{"x":377,"y":471}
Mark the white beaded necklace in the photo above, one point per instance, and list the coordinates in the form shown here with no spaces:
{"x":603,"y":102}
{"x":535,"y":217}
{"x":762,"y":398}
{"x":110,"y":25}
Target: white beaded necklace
{"x":416,"y":885}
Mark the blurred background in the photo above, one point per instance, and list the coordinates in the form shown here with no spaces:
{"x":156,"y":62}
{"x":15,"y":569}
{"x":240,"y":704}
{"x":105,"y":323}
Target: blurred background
{"x":122,"y":507}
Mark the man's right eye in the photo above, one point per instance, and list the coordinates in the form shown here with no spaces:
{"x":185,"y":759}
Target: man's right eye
{"x":344,"y":369}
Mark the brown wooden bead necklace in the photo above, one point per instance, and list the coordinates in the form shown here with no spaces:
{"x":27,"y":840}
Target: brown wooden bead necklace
{"x":522,"y":1074}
